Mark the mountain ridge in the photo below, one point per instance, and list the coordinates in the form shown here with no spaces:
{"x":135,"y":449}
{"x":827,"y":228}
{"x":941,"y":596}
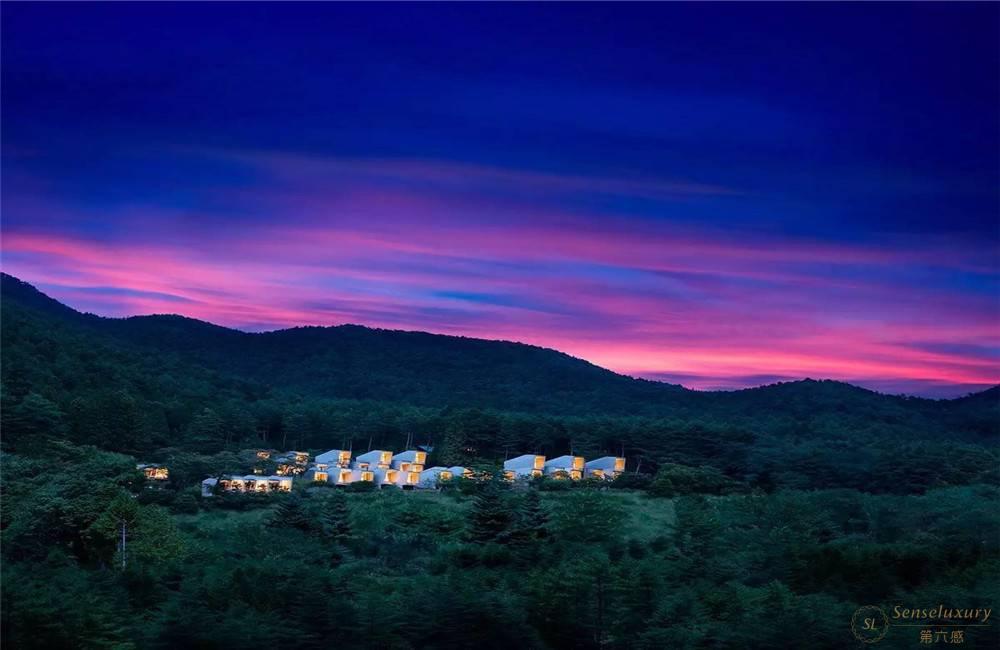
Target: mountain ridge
{"x":162,"y":326}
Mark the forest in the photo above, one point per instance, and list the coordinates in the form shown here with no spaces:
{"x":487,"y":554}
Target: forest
{"x":758,"y":518}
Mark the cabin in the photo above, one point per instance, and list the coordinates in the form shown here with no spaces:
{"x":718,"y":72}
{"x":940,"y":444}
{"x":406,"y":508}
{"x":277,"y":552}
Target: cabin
{"x":253,"y":483}
{"x":362,"y":475}
{"x":340,"y":475}
{"x":461,"y":472}
{"x":606,"y":467}
{"x":154,"y":472}
{"x":408,"y":480}
{"x":317,"y":472}
{"x":289,"y":469}
{"x":293,"y":457}
{"x":526,"y":466}
{"x":335,"y":458}
{"x":377,"y":459}
{"x":565,"y":467}
{"x":291,"y":463}
{"x":386,"y":476}
{"x":409,"y":461}
{"x":208,"y":487}
{"x":432,"y":476}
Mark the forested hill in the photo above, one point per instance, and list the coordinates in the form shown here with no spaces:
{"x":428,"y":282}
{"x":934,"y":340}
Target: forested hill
{"x":354,"y":362}
{"x":145,"y":382}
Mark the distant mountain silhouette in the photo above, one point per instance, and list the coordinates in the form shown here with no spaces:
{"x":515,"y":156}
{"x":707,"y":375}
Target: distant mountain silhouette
{"x":355,"y":362}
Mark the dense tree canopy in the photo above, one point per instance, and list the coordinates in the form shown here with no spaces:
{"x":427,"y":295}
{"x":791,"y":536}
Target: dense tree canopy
{"x":761,"y":518}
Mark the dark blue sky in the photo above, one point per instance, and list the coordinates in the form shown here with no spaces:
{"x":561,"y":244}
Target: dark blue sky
{"x":833,"y":167}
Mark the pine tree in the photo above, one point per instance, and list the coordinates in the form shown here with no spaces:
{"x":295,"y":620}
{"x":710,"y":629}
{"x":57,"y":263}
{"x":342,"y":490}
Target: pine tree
{"x":290,"y":514}
{"x":533,"y":518}
{"x":336,"y":519}
{"x":491,"y":518}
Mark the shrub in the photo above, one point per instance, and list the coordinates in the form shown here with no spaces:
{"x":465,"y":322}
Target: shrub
{"x":362,"y":486}
{"x":679,"y":480}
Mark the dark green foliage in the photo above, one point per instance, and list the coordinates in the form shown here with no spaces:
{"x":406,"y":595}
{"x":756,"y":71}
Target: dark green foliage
{"x":361,"y":486}
{"x":532,"y":518}
{"x":491,"y":518}
{"x":30,"y":421}
{"x":336,"y":521}
{"x":751,"y":547}
{"x":615,"y":569}
{"x":678,"y":480}
{"x":291,"y":513}
{"x":140,"y":385}
{"x":186,"y":503}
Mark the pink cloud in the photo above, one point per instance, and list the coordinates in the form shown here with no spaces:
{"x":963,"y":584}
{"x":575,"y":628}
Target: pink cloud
{"x":643,"y":297}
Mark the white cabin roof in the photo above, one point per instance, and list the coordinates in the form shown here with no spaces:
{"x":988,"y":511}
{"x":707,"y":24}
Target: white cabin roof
{"x":374,"y":454}
{"x":408,"y":455}
{"x":603,"y":462}
{"x":522,"y":459}
{"x":333,"y":454}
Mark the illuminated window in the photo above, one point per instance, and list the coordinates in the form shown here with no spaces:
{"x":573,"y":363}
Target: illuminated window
{"x":619,"y":464}
{"x":367,"y":476}
{"x":320,"y":476}
{"x":404,"y":467}
{"x":345,"y":477}
{"x":420,"y":458}
{"x":445,"y":476}
{"x":578,"y":462}
{"x":539,"y":462}
{"x":413,"y":477}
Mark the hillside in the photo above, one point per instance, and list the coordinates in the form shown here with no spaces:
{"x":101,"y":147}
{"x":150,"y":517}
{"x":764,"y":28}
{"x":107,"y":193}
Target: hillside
{"x":144,"y":383}
{"x":353,"y":362}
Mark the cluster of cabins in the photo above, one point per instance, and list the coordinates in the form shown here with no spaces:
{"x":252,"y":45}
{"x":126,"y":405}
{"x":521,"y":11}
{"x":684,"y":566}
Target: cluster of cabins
{"x":404,"y":470}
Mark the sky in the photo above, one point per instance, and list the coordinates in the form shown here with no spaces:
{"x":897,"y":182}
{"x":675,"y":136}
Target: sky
{"x":717,"y":195}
